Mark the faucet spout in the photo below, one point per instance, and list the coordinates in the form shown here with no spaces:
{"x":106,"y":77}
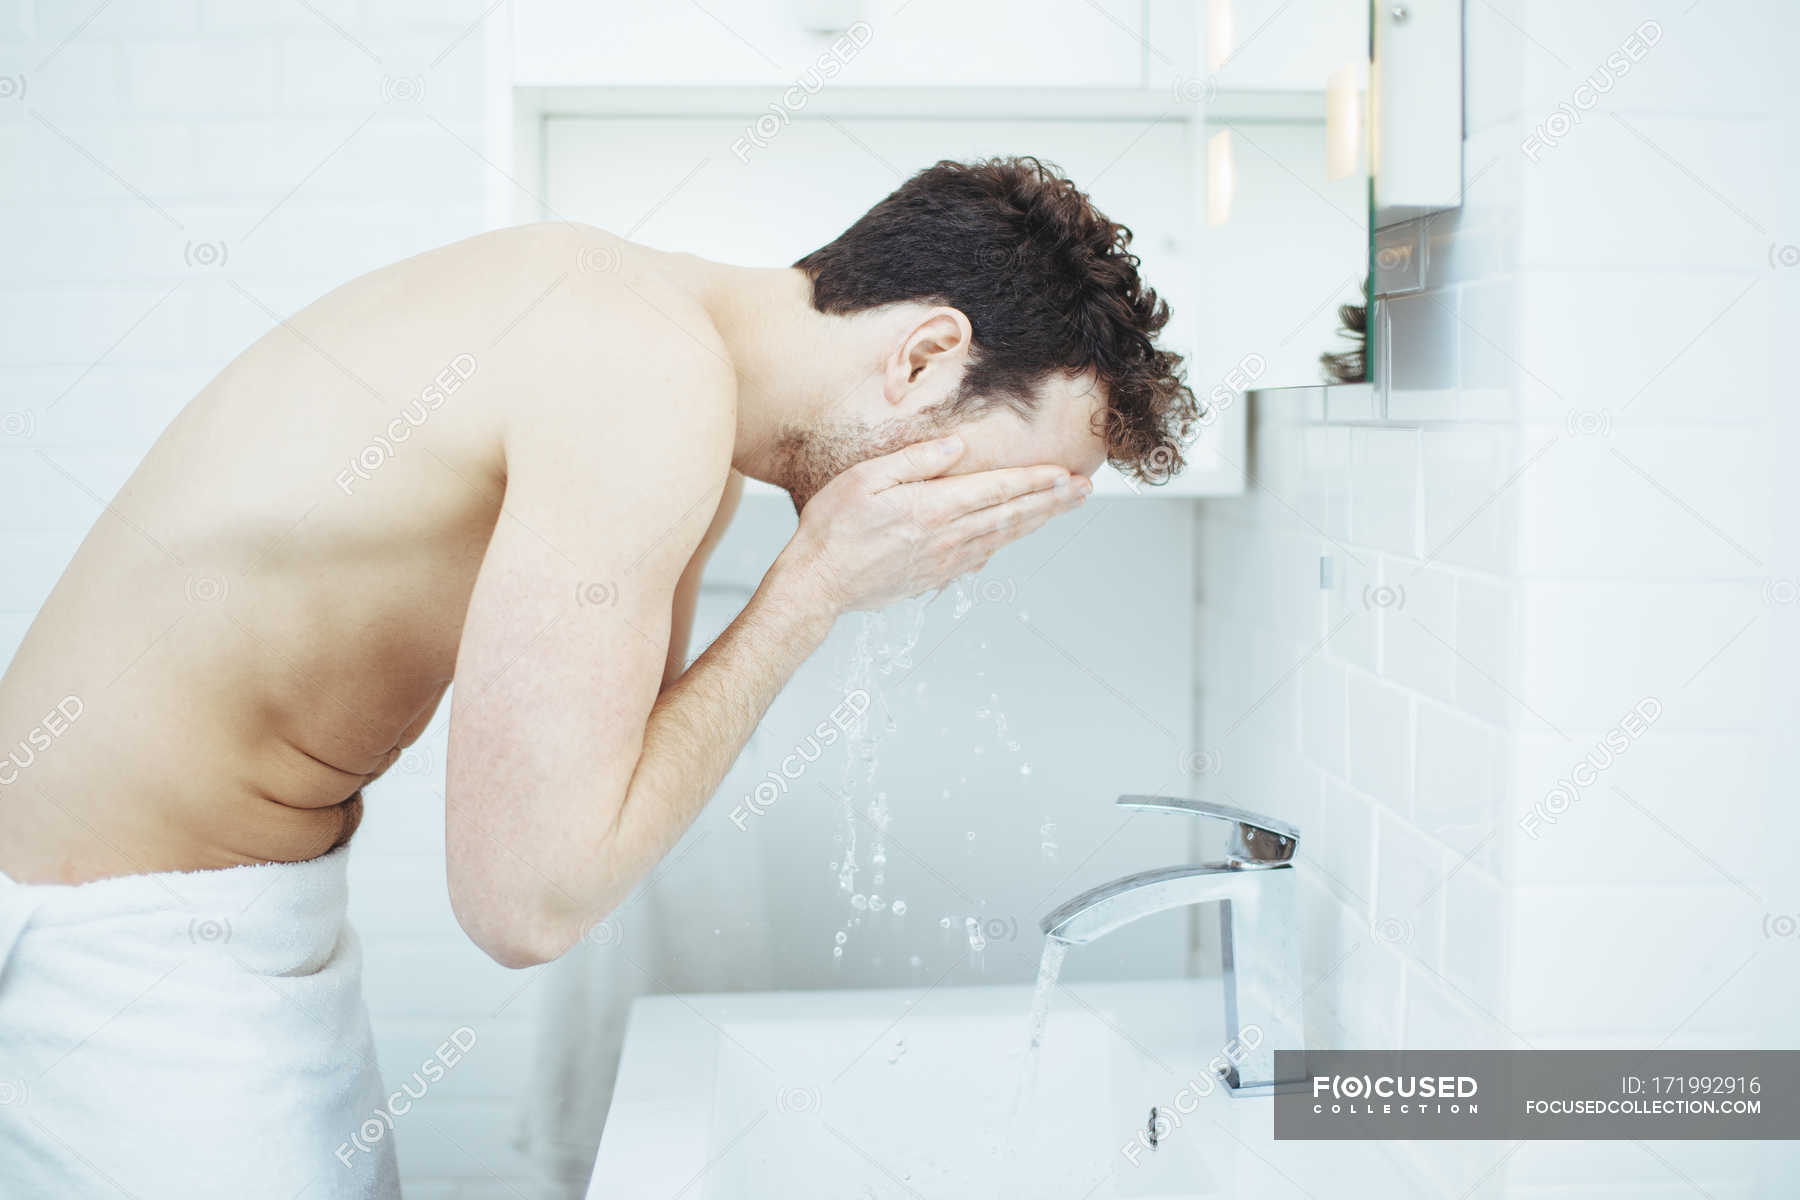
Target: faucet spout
{"x":1099,"y":911}
{"x":1259,"y":928}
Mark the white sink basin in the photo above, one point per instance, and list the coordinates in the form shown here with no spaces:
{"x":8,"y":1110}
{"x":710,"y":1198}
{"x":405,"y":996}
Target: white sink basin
{"x":872,"y":1095}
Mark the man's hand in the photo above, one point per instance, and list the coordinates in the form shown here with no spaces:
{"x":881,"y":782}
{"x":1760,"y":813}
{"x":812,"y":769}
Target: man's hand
{"x":896,"y":526}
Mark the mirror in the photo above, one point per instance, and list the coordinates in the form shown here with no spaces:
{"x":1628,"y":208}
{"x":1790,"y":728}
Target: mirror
{"x":1286,"y":231}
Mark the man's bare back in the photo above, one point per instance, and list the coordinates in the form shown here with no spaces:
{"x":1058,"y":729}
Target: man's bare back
{"x":270,"y":609}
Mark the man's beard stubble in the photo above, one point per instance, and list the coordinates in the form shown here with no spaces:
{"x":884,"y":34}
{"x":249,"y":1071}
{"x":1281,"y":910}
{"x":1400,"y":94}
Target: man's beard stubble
{"x":809,"y":458}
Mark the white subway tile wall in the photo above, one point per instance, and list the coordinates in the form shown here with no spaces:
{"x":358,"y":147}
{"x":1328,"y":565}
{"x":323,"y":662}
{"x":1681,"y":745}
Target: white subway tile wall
{"x":1527,"y":701}
{"x":179,"y":175}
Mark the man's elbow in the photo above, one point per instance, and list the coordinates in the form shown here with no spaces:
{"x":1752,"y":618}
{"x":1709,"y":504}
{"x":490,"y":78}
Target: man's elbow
{"x":517,"y":952}
{"x":518,"y":934}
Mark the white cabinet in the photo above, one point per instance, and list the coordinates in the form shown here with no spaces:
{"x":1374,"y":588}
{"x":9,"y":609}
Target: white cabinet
{"x":674,"y":181}
{"x":1281,"y":45}
{"x":754,"y":130}
{"x":775,"y":43}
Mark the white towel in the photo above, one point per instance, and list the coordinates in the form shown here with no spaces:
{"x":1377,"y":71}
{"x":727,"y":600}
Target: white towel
{"x":188,"y":1034}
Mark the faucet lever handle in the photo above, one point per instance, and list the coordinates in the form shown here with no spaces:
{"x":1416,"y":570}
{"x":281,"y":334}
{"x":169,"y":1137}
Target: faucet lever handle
{"x":1256,"y":840}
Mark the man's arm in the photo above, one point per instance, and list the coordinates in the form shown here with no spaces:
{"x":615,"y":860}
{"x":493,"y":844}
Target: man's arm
{"x":687,"y":591}
{"x":569,"y":776}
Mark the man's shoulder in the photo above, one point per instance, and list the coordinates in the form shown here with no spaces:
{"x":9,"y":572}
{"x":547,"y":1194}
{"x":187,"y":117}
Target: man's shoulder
{"x":627,"y":346}
{"x":632,"y":308}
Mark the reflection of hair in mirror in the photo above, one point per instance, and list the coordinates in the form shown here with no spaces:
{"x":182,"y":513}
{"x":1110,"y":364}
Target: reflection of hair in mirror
{"x":1350,"y":366}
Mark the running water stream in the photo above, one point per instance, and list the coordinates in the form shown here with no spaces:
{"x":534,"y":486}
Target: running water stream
{"x":1049,"y":969}
{"x":1025,"y":1092}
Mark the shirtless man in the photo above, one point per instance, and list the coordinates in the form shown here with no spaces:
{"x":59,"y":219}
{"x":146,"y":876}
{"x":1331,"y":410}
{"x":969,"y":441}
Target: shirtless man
{"x":504,"y":462}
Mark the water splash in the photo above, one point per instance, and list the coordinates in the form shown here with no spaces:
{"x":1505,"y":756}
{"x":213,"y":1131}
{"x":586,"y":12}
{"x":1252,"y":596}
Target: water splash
{"x":959,"y":589}
{"x":883,"y":644}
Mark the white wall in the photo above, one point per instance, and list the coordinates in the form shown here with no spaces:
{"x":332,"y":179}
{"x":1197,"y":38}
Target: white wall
{"x":1554,"y":504}
{"x":1778,"y":1163}
{"x":150,"y":137}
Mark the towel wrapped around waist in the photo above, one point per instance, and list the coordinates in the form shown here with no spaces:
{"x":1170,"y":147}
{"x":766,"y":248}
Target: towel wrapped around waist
{"x":188,"y":1034}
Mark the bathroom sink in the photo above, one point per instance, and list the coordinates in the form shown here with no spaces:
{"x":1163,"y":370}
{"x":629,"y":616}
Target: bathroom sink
{"x":885,"y":1095}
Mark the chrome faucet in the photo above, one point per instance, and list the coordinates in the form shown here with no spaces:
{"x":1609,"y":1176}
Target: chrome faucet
{"x":1259,"y":924}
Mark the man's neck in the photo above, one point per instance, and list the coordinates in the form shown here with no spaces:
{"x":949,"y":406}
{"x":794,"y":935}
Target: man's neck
{"x":793,"y":363}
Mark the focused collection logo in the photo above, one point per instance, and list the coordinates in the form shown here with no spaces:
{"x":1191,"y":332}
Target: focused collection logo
{"x":1404,"y":1095}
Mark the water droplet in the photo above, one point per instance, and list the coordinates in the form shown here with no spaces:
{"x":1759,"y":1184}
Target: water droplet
{"x":842,"y":937}
{"x":899,"y":908}
{"x":1024,"y":768}
{"x":837,"y":952}
{"x":876,"y":904}
{"x":943,"y":922}
{"x":859,"y":901}
{"x":969,"y":836}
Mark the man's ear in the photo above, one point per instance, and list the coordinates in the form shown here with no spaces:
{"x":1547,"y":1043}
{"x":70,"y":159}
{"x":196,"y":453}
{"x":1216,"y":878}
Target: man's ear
{"x":930,"y":358}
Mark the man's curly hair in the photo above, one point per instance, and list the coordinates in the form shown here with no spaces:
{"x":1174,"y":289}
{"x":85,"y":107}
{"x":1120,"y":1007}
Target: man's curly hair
{"x":1048,"y":283}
